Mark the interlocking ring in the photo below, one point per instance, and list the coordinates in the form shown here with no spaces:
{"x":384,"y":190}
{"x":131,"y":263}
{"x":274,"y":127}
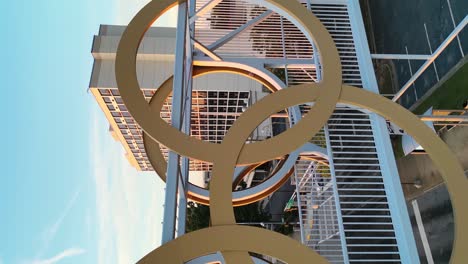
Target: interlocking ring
{"x":198,"y":194}
{"x":160,"y":131}
{"x":235,"y":241}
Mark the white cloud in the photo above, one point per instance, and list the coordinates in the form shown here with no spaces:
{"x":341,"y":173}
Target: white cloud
{"x":128,"y":203}
{"x":64,"y":254}
{"x":49,"y":233}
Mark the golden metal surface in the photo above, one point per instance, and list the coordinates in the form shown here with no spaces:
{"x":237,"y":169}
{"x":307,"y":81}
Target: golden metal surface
{"x":225,"y":236}
{"x":153,"y":150}
{"x":232,"y":238}
{"x":160,"y":131}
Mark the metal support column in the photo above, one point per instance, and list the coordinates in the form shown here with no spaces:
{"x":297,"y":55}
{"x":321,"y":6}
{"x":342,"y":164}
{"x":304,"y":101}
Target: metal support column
{"x":422,"y":232}
{"x":411,"y":73}
{"x":396,"y":201}
{"x":299,"y":206}
{"x":434,"y":56}
{"x":454,"y":26}
{"x":173,"y":169}
{"x":430,"y":49}
{"x":339,"y":215}
{"x":285,"y":57}
{"x":187,"y":110}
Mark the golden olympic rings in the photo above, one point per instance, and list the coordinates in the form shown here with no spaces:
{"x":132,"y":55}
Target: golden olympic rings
{"x":154,"y":152}
{"x":209,"y":240}
{"x":160,"y":131}
{"x":235,"y":241}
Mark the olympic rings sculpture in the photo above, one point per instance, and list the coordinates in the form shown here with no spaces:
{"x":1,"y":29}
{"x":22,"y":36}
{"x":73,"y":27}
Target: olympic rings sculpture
{"x":256,"y":193}
{"x":236,"y":241}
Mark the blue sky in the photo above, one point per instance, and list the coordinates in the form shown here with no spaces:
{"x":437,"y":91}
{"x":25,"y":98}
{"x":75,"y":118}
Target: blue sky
{"x":67,"y":193}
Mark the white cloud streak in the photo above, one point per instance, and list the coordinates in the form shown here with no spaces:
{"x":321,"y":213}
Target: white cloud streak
{"x":128,"y":203}
{"x":64,"y":254}
{"x":49,"y":233}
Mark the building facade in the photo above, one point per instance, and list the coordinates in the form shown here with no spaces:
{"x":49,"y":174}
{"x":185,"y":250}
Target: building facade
{"x":217,"y":100}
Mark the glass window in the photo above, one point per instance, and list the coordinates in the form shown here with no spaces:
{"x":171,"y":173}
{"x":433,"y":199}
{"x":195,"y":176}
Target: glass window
{"x":104,"y":92}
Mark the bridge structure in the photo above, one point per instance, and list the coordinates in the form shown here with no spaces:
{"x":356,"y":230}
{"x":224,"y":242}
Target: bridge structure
{"x":229,"y":55}
{"x":350,"y":202}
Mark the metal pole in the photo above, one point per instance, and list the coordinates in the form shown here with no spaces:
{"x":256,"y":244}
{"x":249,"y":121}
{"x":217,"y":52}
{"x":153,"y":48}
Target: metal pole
{"x":207,"y":7}
{"x":411,"y":72}
{"x":400,"y":56}
{"x":461,"y":118}
{"x":173,"y":169}
{"x":286,"y":78}
{"x":267,"y":223}
{"x":422,"y":232}
{"x":187,"y":110}
{"x":430,"y":49}
{"x":339,"y":216}
{"x":394,"y":193}
{"x":454,"y":25}
{"x":436,"y":54}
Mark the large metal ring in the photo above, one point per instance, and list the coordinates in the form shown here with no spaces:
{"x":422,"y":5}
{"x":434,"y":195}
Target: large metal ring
{"x":199,"y":194}
{"x":443,"y":158}
{"x":160,"y":131}
{"x":235,"y":241}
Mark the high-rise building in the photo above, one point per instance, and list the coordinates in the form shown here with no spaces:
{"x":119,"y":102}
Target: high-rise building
{"x":217,"y":100}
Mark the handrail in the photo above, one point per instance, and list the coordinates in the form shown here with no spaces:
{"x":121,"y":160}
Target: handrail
{"x":433,"y":57}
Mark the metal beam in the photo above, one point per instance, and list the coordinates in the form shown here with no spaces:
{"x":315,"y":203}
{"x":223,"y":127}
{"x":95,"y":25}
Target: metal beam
{"x":454,"y":26}
{"x":267,"y":62}
{"x":430,"y":48}
{"x":283,"y":42}
{"x":336,"y":196}
{"x":422,"y":232}
{"x":207,"y":51}
{"x":207,"y":7}
{"x":286,"y":65}
{"x":220,"y":42}
{"x":173,"y":169}
{"x":298,"y":195}
{"x":434,"y":56}
{"x":395,"y":198}
{"x":186,"y":121}
{"x":401,"y":56}
{"x":435,"y":118}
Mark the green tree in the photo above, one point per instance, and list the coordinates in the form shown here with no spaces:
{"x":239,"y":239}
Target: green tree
{"x":198,"y":215}
{"x":285,"y":229}
{"x":251,"y":213}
